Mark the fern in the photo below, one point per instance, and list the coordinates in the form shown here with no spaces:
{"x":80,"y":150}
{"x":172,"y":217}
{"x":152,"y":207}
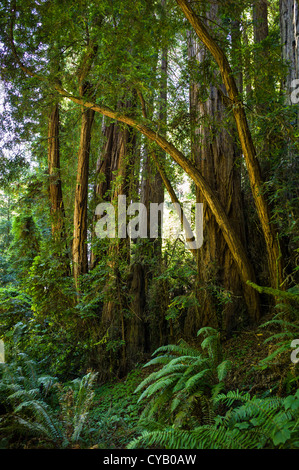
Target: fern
{"x":256,"y":423}
{"x":203,"y":437}
{"x":81,"y":403}
{"x":41,"y":420}
{"x":286,"y":320}
{"x":186,"y":373}
{"x":26,"y":391}
{"x":183,"y":395}
{"x":272,"y":418}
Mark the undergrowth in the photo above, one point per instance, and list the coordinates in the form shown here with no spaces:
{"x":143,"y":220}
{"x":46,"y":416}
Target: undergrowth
{"x":182,"y":398}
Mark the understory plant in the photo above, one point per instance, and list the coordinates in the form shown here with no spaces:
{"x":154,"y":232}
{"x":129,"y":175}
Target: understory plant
{"x":186,"y":408}
{"x":283,"y":331}
{"x":40,"y":408}
{"x":253,"y":423}
{"x":181,"y":390}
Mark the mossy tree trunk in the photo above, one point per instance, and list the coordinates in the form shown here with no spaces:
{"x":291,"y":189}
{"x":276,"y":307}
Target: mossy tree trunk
{"x":115,"y":174}
{"x":55,"y":186}
{"x":79,"y":246}
{"x":216,"y":156}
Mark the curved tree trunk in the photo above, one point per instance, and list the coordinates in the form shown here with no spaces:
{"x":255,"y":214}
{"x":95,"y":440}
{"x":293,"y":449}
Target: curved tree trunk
{"x":226,"y":227}
{"x":252,"y":164}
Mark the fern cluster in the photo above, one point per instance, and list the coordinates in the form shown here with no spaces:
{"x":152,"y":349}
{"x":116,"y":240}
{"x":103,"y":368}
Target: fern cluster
{"x":255,"y":423}
{"x":189,"y":381}
{"x":183,"y":387}
{"x":285,"y":321}
{"x":31,"y":410}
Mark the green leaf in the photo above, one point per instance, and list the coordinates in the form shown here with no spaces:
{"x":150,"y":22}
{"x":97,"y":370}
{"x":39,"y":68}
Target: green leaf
{"x":291,"y":402}
{"x":242,"y":425}
{"x":281,"y":437}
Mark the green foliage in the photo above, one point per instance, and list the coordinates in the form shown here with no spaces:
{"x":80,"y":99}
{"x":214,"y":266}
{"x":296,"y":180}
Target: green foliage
{"x":248,"y":422}
{"x":283,"y":328}
{"x":179,"y":304}
{"x":270,"y":422}
{"x":175,"y":281}
{"x":187,"y":381}
{"x":54,"y":320}
{"x":25,"y":244}
{"x":50,"y":288}
{"x":114,"y":419}
{"x":38,"y":406}
{"x":15,"y":307}
{"x":39,"y":321}
{"x":76,"y":401}
{"x":256,"y":423}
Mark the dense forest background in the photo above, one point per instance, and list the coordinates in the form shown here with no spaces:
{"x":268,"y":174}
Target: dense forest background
{"x":161,"y":102}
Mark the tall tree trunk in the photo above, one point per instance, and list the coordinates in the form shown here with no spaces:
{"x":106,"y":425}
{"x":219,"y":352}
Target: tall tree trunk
{"x":289,"y":30}
{"x":264,"y":82}
{"x":55,"y":186}
{"x":150,"y":251}
{"x":116,"y":167}
{"x":260,"y":20}
{"x":214,"y":153}
{"x":79,"y":247}
{"x":289,"y":27}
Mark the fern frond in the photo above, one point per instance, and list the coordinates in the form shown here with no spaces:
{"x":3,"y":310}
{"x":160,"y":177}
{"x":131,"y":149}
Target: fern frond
{"x":281,"y":322}
{"x":195,"y":380}
{"x":39,"y":411}
{"x":232,"y":396}
{"x":156,"y":386}
{"x":182,"y":349}
{"x":222,"y":370}
{"x":162,"y":359}
{"x":207,"y":331}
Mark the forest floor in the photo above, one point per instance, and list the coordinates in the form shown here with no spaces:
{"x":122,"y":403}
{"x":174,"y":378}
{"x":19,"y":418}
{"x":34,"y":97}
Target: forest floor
{"x":246,"y":352}
{"x":116,"y":404}
{"x":114,"y":418}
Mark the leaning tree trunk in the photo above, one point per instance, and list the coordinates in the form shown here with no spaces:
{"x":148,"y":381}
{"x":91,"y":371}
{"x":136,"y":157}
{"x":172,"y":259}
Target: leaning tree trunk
{"x":275,"y":263}
{"x":231,"y":237}
{"x":215,"y":155}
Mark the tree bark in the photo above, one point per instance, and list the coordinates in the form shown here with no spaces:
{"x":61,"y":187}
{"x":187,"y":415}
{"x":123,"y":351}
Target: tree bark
{"x":116,"y":165}
{"x":260,"y":20}
{"x":215,"y":154}
{"x":252,"y":164}
{"x":79,"y":247}
{"x":289,"y":28}
{"x":55,"y":186}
